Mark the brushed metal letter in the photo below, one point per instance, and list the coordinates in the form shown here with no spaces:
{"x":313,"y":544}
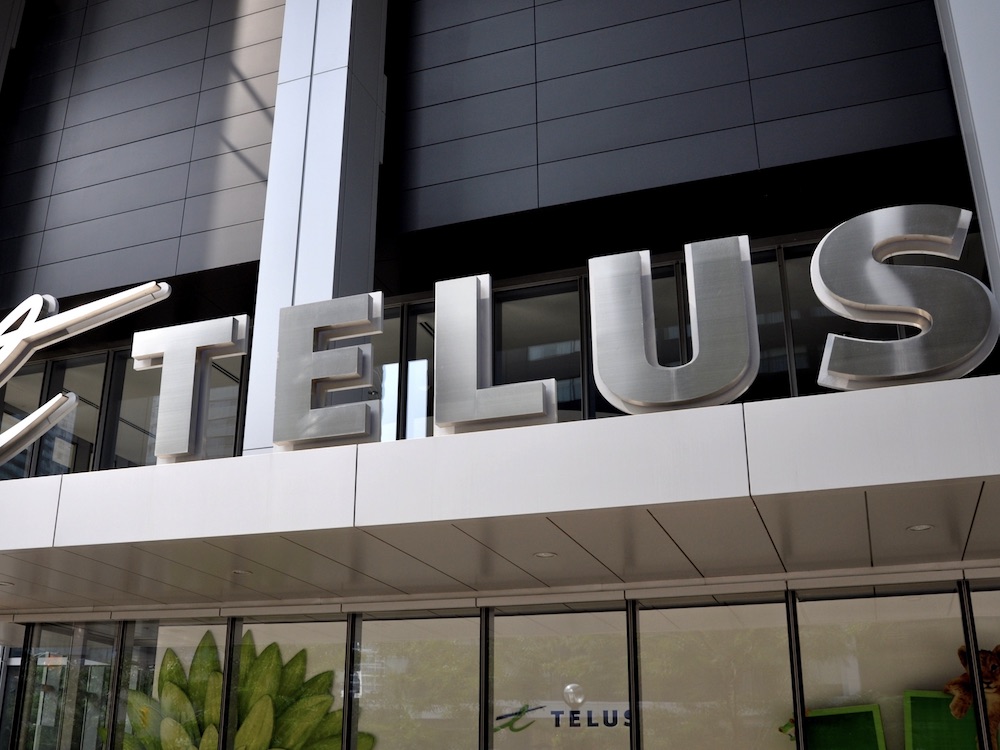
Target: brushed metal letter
{"x":309,"y":369}
{"x":465,"y":399}
{"x":957,"y":316}
{"x":726,"y":352}
{"x":185,"y":353}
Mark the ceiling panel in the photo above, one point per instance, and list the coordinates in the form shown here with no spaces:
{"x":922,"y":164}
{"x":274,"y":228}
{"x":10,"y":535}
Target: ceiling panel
{"x":947,"y":506}
{"x":62,"y":589}
{"x":520,"y":538}
{"x":720,"y":537}
{"x":629,"y":542}
{"x":455,"y":553}
{"x":813,"y":531}
{"x":984,"y":539}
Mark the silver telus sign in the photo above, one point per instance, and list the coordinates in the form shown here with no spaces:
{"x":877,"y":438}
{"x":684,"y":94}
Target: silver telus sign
{"x":957,"y":316}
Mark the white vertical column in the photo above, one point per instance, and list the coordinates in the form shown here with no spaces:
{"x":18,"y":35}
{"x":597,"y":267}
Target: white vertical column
{"x":969,"y":30}
{"x":318,"y":237}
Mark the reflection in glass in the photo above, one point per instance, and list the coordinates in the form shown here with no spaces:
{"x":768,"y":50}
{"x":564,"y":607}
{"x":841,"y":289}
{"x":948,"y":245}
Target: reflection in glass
{"x":537,"y":336}
{"x":772,"y":378}
{"x":419,"y":373}
{"x":21,"y":396}
{"x":561,"y":680}
{"x":385,"y":362}
{"x":71,"y":445}
{"x":69,"y":676}
{"x":172,"y":672}
{"x":223,"y":407}
{"x":885,"y":652}
{"x":714,"y":677}
{"x":135,"y":431}
{"x":420,"y":682}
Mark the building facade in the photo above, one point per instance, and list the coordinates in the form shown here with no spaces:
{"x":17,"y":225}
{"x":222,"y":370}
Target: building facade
{"x":474,"y":530}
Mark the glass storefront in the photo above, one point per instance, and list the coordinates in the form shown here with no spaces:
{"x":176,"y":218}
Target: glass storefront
{"x":879,"y":672}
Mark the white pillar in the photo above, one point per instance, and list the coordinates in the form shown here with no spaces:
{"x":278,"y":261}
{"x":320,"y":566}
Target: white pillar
{"x":319,"y":216}
{"x":969,"y":30}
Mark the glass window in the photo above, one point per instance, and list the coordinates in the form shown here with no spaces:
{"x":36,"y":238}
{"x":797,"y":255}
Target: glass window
{"x":385,"y":360}
{"x":420,"y":373}
{"x":72,"y":444}
{"x":69,"y":678}
{"x":21,"y":396}
{"x":172,"y":686}
{"x":883,"y":663}
{"x":222,"y":411}
{"x":537,"y":336}
{"x":714,"y":677}
{"x":772,"y":378}
{"x":420,"y":683}
{"x":133,"y":431}
{"x":561,"y":680}
{"x":290,"y":687}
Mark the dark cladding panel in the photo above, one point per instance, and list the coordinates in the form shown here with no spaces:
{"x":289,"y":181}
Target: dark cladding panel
{"x":239,"y":64}
{"x":135,"y":63}
{"x":233,"y":134}
{"x":144,"y":30}
{"x":227,"y":10}
{"x":129,"y":127}
{"x":238,"y":98}
{"x":661,"y":35}
{"x":133,"y":265}
{"x":874,"y":33}
{"x":228,"y":170}
{"x":480,"y":75}
{"x":146,"y":225}
{"x":27,"y":185}
{"x":245,"y":31}
{"x":485,"y":37}
{"x":16,"y":286}
{"x":127,"y":194}
{"x":662,"y":119}
{"x":220,"y":247}
{"x":48,"y":118}
{"x":134,"y":94}
{"x":32,"y":152}
{"x":23,"y":218}
{"x":846,"y":84}
{"x":21,"y":252}
{"x":47,"y":89}
{"x":122,"y":161}
{"x":868,"y":126}
{"x":568,"y":17}
{"x":224,"y":208}
{"x":53,"y":57}
{"x":113,"y":12}
{"x":765,"y":16}
{"x":664,"y":163}
{"x":666,"y":75}
{"x":472,"y":116}
{"x":471,"y":157}
{"x":502,"y":193}
{"x":431,"y":15}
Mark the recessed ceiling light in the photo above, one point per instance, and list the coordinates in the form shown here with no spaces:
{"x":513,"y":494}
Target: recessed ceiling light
{"x":920,"y":527}
{"x":545,"y":555}
{"x":239,"y":572}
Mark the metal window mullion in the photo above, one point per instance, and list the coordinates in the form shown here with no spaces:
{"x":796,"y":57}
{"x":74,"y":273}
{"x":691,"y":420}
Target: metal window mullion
{"x":124,"y":638}
{"x":24,"y":677}
{"x":634,"y":674}
{"x":795,"y":663}
{"x":230,"y":680}
{"x":352,"y":683}
{"x":972,"y":664}
{"x":486,"y":619}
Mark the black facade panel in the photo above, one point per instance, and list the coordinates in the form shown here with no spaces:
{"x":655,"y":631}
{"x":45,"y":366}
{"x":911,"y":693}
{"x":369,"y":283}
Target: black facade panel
{"x":31,"y":152}
{"x":135,"y":63}
{"x":228,"y":170}
{"x":765,"y":16}
{"x":667,"y":162}
{"x":50,"y":88}
{"x":22,"y":252}
{"x":114,"y":12}
{"x":23,"y":218}
{"x":130,"y":159}
{"x":704,"y":111}
{"x":454,"y":44}
{"x":239,"y":98}
{"x":53,"y":57}
{"x":568,"y":17}
{"x":718,"y":65}
{"x":224,"y":208}
{"x":874,"y":33}
{"x":472,"y":116}
{"x":431,"y":15}
{"x":239,"y":64}
{"x":480,"y":75}
{"x":245,"y":31}
{"x":450,"y":202}
{"x":146,"y":29}
{"x":867,"y":126}
{"x":471,"y":157}
{"x":227,"y":10}
{"x":27,"y":185}
{"x":129,"y":127}
{"x":158,"y":222}
{"x":48,"y":118}
{"x":219,"y":247}
{"x":233,"y":134}
{"x":662,"y":35}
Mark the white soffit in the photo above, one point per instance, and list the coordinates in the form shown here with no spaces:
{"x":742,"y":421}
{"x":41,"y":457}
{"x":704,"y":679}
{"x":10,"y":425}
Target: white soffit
{"x":28,"y":508}
{"x":649,"y":459}
{"x":948,"y":507}
{"x":984,"y":540}
{"x":818,"y":530}
{"x":281,"y":491}
{"x":883,"y":436}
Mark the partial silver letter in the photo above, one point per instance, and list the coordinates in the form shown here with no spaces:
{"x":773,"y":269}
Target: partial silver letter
{"x":957,"y":315}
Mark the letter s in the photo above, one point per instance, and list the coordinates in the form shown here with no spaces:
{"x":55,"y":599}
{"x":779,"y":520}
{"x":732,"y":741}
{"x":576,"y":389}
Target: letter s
{"x":958,"y":317}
